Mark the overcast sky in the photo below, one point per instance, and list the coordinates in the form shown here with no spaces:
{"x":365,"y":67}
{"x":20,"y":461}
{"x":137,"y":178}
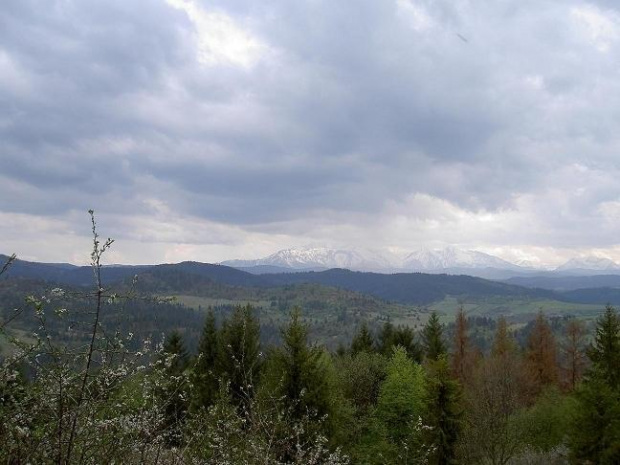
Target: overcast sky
{"x":220,"y":129}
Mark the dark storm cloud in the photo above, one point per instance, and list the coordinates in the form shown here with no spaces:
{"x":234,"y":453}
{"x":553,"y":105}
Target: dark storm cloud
{"x":302,"y":109}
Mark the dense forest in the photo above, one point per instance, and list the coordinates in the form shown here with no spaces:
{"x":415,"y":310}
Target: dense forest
{"x":80,"y":385}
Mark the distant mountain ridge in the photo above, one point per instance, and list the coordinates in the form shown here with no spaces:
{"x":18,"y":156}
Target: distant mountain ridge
{"x":451,"y":260}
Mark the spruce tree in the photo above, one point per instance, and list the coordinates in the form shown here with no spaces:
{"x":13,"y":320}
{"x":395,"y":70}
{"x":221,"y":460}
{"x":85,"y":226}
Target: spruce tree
{"x":174,"y":388}
{"x":444,"y":411}
{"x":204,"y":377}
{"x":402,"y":336}
{"x":238,"y":355}
{"x":432,"y":338}
{"x":595,"y":436}
{"x":363,"y":340}
{"x":605,"y":351}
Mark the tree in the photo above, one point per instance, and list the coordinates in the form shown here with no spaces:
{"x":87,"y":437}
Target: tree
{"x":493,"y":396}
{"x":204,"y":378}
{"x":595,"y":433}
{"x":363,"y":340}
{"x":596,"y":430}
{"x":432,"y":338}
{"x":174,"y":389}
{"x":238,"y":356}
{"x":573,"y":351}
{"x":605,"y":351}
{"x":541,"y":363}
{"x":402,"y":336}
{"x":444,"y":411}
{"x":299,"y":381}
{"x":503,"y":343}
{"x":401,"y":398}
{"x":462,"y":357}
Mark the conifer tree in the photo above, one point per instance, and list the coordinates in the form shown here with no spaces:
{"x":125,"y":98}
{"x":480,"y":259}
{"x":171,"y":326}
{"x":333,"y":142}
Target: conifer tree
{"x":174,"y":348}
{"x":462,"y":357}
{"x":574,"y":356}
{"x":595,"y":436}
{"x":402,"y":336}
{"x":204,"y":377}
{"x":386,"y":338}
{"x":605,"y":351}
{"x":363,"y":340}
{"x":174,"y":389}
{"x":432,"y":338}
{"x":541,"y":362}
{"x":503,"y":343}
{"x":444,"y":411}
{"x":238,"y":355}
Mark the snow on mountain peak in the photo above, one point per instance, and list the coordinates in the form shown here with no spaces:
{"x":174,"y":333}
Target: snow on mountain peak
{"x":450,"y":257}
{"x":589,"y":263}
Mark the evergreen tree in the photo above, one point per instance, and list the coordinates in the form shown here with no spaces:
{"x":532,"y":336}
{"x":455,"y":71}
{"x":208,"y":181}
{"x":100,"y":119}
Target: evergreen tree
{"x":402,"y":336}
{"x":595,"y":436}
{"x":175,"y":352}
{"x":444,"y":411}
{"x":386,"y":338}
{"x":432,"y":338}
{"x":362,"y":340}
{"x":204,"y":377}
{"x":238,"y":355}
{"x":605,"y":351}
{"x":174,"y":388}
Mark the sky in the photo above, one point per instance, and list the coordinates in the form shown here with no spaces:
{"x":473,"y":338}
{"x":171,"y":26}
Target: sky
{"x":211,"y":130}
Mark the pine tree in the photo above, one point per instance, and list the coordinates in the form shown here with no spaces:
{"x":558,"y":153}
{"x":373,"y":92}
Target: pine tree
{"x":174,"y":349}
{"x":363,"y":340}
{"x":595,"y":436}
{"x":238,"y":355}
{"x":174,"y":389}
{"x":402,"y":336}
{"x":605,"y":352}
{"x":204,"y":377}
{"x":541,"y":363}
{"x":386,"y":338}
{"x":432,"y":338}
{"x":444,"y":411}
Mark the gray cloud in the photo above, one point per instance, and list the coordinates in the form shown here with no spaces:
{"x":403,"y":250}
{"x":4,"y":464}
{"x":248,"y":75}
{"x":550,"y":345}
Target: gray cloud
{"x":337,"y":113}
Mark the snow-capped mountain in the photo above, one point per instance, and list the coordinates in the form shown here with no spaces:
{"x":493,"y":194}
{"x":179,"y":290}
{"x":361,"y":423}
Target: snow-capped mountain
{"x":589,"y":263}
{"x":303,"y":258}
{"x":451,"y":258}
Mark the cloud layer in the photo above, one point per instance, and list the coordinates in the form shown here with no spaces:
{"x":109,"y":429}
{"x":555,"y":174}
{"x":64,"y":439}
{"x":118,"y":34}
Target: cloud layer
{"x":220,"y":129}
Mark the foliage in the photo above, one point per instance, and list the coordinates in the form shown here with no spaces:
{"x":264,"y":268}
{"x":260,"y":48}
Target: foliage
{"x":432,"y":338}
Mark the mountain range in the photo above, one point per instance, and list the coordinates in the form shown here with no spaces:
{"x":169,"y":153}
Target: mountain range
{"x":450,"y":260}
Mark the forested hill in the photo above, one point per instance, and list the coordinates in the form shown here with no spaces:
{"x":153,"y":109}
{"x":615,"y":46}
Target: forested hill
{"x":418,"y":288}
{"x":410,"y":288}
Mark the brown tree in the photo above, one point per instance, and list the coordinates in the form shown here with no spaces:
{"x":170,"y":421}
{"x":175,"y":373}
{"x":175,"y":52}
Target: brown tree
{"x":503,"y":343}
{"x":574,"y":359}
{"x":541,"y":356}
{"x":462,"y":359}
{"x":493,"y":396}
